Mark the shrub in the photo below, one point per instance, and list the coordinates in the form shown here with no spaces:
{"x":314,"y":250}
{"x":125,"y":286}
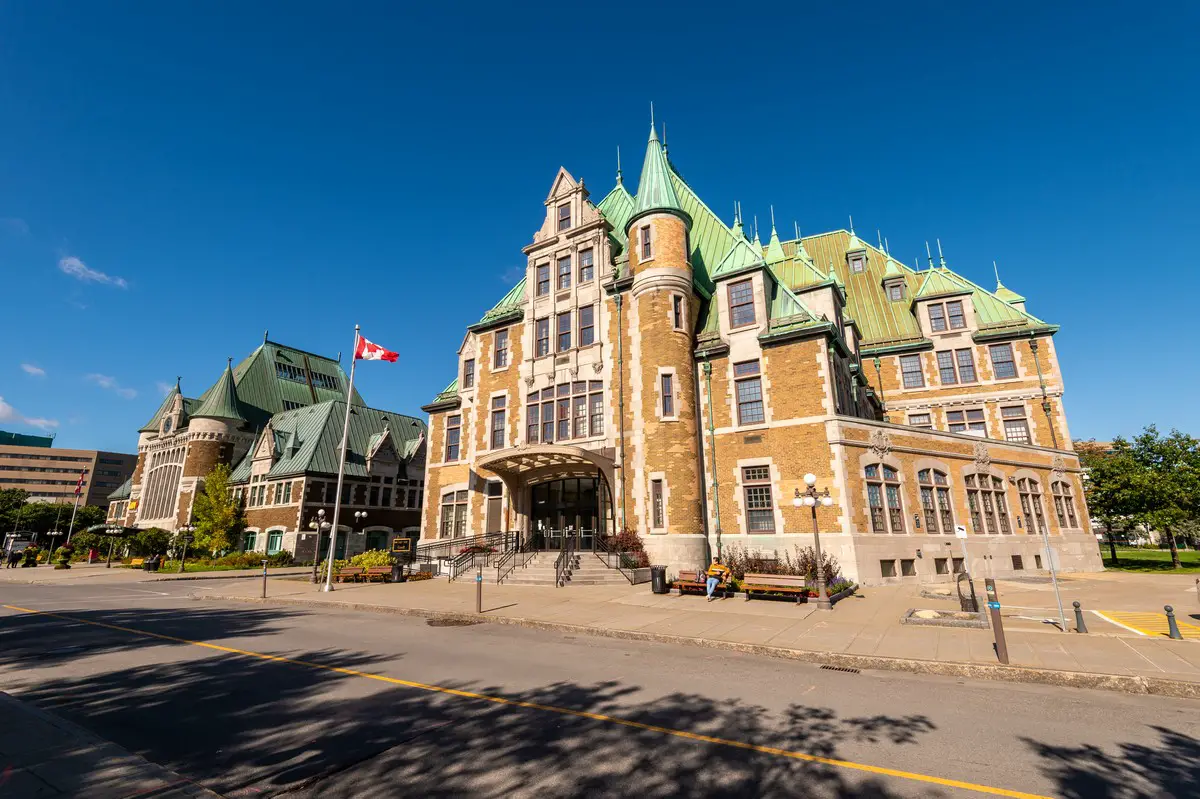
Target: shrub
{"x":633,"y":551}
{"x":417,"y":577}
{"x":476,"y":549}
{"x":62,"y":556}
{"x":372,"y":558}
{"x":804,"y":563}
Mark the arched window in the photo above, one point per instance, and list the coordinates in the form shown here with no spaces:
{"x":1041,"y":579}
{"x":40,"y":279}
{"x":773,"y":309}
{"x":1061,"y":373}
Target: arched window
{"x":1031,"y":504}
{"x":987,"y":504}
{"x":883,"y":498}
{"x":935,"y":501}
{"x":1064,"y":504}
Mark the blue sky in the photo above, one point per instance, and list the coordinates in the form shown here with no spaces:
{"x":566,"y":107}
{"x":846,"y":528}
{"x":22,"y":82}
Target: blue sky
{"x":177,"y":177}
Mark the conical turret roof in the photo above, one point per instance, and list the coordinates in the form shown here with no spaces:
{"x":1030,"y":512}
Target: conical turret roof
{"x":655,"y":191}
{"x":221,"y":401}
{"x":167,"y":404}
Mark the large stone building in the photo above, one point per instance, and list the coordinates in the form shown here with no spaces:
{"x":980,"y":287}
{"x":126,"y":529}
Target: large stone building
{"x":48,"y":474}
{"x":661,"y":371}
{"x":276,"y":419}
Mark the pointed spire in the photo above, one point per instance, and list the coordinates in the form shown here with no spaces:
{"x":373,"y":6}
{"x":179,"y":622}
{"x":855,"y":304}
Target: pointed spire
{"x":774,"y":252}
{"x":941,"y":258}
{"x":665,"y":150}
{"x":886,"y":247}
{"x":879,"y":238}
{"x":738,"y":232}
{"x":1003,"y":292}
{"x":222,"y":400}
{"x":773,"y":234}
{"x":929,"y":253}
{"x":620,"y":180}
{"x":655,"y":191}
{"x":265,"y":336}
{"x":757,"y":243}
{"x":851,"y":224}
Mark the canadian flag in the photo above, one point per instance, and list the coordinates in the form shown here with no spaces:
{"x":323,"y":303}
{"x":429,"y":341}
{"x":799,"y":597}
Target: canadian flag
{"x":366,"y":351}
{"x":79,"y":485}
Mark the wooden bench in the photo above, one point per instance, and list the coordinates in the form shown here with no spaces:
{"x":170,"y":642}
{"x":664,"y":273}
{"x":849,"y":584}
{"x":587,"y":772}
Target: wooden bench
{"x":349,"y":572}
{"x":698,"y":581}
{"x":381,"y":573}
{"x":775,"y":584}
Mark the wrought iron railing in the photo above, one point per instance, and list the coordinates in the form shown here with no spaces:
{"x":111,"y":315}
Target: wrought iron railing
{"x":518,"y":556}
{"x":623,"y":561}
{"x":566,"y":560}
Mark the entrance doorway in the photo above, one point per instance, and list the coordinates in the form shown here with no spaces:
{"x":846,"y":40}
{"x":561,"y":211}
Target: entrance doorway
{"x":574,"y":506}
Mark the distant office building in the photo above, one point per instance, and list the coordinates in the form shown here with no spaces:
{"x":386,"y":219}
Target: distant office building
{"x":50,"y":474}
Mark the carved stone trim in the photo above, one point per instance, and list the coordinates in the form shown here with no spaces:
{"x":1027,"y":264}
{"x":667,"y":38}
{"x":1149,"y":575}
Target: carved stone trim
{"x":983,"y":458}
{"x":881,"y":443}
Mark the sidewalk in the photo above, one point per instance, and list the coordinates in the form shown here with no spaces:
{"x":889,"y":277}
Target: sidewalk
{"x":862,"y":631}
{"x":48,"y":575}
{"x":46,"y":756}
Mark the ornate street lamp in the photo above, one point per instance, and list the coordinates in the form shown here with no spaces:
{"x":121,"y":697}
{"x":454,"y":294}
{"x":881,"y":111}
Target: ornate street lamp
{"x":185,"y":537}
{"x":811,"y":497}
{"x":113,"y":530}
{"x":320,"y":525}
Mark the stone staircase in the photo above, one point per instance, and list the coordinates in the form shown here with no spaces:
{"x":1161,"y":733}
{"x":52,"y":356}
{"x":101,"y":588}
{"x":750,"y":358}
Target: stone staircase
{"x":586,"y":569}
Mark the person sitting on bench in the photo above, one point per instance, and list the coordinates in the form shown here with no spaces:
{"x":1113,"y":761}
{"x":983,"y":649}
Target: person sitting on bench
{"x":717,"y":574}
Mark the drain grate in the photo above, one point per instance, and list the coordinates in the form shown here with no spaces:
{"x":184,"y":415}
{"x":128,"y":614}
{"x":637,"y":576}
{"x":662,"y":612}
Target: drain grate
{"x":846,"y":669}
{"x":451,"y":622}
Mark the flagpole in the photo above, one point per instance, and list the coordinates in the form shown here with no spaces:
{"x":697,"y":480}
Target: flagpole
{"x":337,"y":500}
{"x":71,"y":526}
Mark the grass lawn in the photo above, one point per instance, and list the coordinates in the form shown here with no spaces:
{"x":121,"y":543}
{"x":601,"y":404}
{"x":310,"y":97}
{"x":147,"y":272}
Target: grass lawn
{"x":1151,"y":560}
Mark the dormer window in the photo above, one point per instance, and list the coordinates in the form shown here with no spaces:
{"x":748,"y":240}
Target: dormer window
{"x":950,"y":312}
{"x":564,"y":216}
{"x":858,"y":263}
{"x":895,"y":289}
{"x":647,"y":252}
{"x":741,"y":304}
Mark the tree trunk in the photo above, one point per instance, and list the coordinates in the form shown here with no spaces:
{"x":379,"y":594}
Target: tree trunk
{"x":1174,"y":549}
{"x":1112,"y":543}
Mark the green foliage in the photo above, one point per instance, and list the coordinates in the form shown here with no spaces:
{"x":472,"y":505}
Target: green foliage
{"x":219,"y":517}
{"x":804,"y":563}
{"x":62,"y":555}
{"x":371,"y":558}
{"x":1167,"y":483}
{"x":152,"y":541}
{"x":632,"y":551}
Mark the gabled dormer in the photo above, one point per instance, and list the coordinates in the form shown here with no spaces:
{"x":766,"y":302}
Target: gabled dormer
{"x":568,"y":211}
{"x":856,"y":254}
{"x":895,"y":287}
{"x":943,"y":303}
{"x":382,"y":457}
{"x":266,"y":450}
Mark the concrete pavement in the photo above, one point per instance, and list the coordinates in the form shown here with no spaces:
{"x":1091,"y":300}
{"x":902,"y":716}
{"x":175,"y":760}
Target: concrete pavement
{"x":863,"y":629}
{"x":324,"y":702}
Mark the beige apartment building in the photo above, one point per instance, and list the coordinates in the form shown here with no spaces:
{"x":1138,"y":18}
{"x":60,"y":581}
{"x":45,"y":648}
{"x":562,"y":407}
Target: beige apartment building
{"x":662,"y":371}
{"x":50,"y":474}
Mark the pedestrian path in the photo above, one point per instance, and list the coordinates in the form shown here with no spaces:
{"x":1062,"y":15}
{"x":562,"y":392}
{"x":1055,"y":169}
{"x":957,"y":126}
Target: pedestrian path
{"x":45,"y":756}
{"x":1154,"y":624}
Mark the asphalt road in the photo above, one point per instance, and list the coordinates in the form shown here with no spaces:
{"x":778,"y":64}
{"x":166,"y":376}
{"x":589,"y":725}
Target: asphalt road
{"x":337,"y":704}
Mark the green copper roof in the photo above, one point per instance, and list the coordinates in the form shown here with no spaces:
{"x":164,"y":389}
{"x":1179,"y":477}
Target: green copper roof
{"x":938,"y":282}
{"x":617,"y":207}
{"x":787,"y":306}
{"x":655,"y":189}
{"x":221,"y":401}
{"x":774,"y":253}
{"x":122,"y":492}
{"x":275,"y":377}
{"x":741,"y":255}
{"x":317,"y":433}
{"x":448,"y":393}
{"x":1006,"y":294}
{"x":510,"y":305}
{"x":167,"y":404}
{"x":892,"y":268}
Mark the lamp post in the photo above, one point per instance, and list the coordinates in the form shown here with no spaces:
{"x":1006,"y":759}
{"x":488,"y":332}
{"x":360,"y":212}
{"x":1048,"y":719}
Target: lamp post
{"x":811,"y":497}
{"x":320,"y":525}
{"x":360,"y":518}
{"x":185,"y":538}
{"x":113,"y":531}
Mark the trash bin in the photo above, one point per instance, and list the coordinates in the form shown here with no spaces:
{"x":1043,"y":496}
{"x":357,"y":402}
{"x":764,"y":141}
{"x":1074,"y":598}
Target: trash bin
{"x":658,"y":580}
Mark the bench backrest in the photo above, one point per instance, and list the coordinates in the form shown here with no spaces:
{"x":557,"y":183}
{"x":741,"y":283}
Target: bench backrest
{"x":688,"y":576}
{"x":351,"y":570}
{"x":785,"y":580}
{"x":379,"y":570}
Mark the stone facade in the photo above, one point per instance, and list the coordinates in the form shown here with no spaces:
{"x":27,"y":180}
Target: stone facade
{"x":697,"y":376}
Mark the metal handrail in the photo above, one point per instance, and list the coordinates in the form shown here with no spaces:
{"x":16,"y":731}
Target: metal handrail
{"x":562,"y":566}
{"x":609,"y":555}
{"x":463,"y":561}
{"x":520,"y":555}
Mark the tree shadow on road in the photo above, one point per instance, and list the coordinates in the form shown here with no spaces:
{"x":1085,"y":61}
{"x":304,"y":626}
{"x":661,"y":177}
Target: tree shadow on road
{"x":251,"y":727}
{"x":42,"y":639}
{"x":1136,"y":771}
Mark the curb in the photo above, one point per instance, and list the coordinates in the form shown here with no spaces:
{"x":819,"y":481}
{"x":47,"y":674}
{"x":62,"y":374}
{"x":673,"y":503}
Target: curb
{"x":980,"y":671}
{"x":219,"y":576}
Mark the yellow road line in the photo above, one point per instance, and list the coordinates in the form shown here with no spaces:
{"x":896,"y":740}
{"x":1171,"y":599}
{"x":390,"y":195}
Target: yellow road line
{"x":499,"y":700}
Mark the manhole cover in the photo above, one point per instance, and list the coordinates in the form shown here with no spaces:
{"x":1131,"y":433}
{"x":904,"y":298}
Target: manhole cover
{"x":451,"y":622}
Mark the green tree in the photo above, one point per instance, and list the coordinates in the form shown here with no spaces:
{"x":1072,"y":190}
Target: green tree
{"x":12,"y":507}
{"x":152,"y":541}
{"x":1168,"y":486}
{"x":219,"y":518}
{"x":1110,"y":487}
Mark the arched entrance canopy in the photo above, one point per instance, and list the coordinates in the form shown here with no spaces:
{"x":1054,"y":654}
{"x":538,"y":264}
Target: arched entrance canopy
{"x":530,"y":463}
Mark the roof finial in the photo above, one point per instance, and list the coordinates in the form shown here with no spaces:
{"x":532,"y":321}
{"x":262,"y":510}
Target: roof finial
{"x":941,"y":258}
{"x":886,"y":248}
{"x":653,"y":132}
{"x":620,"y":181}
{"x":929,"y":253}
{"x":772,"y":220}
{"x":177,"y":379}
{"x":879,"y":236}
{"x":229,"y":362}
{"x":797,"y":224}
{"x":997,"y":270}
{"x":851,"y":224}
{"x":664,"y":138}
{"x":265,"y":337}
{"x":736,"y":212}
{"x":756,"y":226}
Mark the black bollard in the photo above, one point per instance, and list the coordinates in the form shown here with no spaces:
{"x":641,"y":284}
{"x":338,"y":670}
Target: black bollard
{"x":1080,"y":627}
{"x":1172,"y":627}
